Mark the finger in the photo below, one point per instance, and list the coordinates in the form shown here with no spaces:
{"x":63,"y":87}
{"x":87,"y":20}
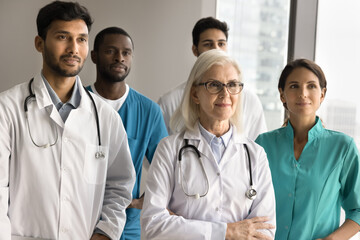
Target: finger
{"x":259,"y":235}
{"x":263,"y":226}
{"x":260,"y":219}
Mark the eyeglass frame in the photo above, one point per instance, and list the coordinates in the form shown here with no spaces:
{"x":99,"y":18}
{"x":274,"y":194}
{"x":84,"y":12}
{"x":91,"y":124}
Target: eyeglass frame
{"x":223,"y":85}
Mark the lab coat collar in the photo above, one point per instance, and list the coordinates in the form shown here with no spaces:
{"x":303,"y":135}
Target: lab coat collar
{"x":195,"y":134}
{"x":43,"y":98}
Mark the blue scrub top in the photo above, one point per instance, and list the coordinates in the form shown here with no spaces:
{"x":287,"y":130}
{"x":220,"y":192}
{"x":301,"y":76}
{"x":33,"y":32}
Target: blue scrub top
{"x":145,"y":127}
{"x":311,"y":190}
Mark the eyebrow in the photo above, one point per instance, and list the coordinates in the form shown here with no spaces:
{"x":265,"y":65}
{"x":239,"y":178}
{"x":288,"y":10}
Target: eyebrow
{"x":210,"y":40}
{"x":115,"y":47}
{"x":308,"y":82}
{"x":67,"y":32}
{"x":231,"y":80}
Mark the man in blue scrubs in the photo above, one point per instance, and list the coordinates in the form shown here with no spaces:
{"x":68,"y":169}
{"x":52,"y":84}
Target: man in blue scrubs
{"x":142,"y":118}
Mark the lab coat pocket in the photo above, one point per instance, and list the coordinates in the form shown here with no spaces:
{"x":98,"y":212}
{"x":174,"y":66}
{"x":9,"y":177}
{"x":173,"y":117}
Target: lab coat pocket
{"x":95,"y":164}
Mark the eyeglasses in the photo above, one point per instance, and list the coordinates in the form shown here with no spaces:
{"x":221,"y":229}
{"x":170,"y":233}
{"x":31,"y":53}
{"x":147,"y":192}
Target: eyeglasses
{"x":215,"y":87}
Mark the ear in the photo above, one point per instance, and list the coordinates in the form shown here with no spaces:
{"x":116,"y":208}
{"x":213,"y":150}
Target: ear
{"x":323,"y":93}
{"x":39,"y":44}
{"x":282,"y":98}
{"x":93,"y":56}
{"x":195,"y":51}
{"x":194,"y":95}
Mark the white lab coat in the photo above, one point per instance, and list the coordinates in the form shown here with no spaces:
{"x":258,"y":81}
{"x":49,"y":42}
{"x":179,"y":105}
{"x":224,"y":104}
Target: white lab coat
{"x":204,"y":218}
{"x":253,"y":115}
{"x":61,"y":192}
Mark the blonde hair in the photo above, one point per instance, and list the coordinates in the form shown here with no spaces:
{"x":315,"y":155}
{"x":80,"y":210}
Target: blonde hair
{"x":187,"y":114}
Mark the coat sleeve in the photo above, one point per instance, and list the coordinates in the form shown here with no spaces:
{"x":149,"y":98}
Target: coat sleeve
{"x":156,"y":222}
{"x":5,"y":154}
{"x":119,"y":182}
{"x":350,"y":183}
{"x":264,"y":203}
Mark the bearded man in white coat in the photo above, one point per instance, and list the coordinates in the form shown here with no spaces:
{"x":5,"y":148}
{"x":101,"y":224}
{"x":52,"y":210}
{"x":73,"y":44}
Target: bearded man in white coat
{"x":65,"y":166}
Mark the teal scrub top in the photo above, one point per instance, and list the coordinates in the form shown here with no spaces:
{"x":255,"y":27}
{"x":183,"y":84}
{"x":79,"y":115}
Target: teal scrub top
{"x":310,"y":191}
{"x":145,"y":127}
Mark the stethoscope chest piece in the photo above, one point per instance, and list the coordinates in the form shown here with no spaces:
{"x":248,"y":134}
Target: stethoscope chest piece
{"x":99,"y":154}
{"x":251,"y":193}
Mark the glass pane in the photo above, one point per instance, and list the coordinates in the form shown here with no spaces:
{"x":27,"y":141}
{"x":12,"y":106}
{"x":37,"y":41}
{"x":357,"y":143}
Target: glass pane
{"x":258,"y":39}
{"x":337,"y":51}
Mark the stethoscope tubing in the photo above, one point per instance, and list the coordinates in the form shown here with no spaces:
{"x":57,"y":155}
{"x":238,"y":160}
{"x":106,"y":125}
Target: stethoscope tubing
{"x":32,"y":95}
{"x":250,"y":193}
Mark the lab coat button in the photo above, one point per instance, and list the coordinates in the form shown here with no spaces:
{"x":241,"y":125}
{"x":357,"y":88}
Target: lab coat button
{"x":218,"y":174}
{"x":217,"y":209}
{"x":65,"y":140}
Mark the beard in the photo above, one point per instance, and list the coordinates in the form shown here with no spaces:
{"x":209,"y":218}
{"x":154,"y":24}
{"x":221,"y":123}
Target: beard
{"x":50,"y":60}
{"x":106,"y":74}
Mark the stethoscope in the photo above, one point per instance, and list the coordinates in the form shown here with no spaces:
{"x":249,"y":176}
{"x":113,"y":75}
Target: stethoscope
{"x":98,"y":154}
{"x":250,"y":193}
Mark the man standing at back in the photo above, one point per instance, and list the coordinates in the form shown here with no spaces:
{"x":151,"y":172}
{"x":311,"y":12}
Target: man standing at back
{"x":65,"y":166}
{"x":142,"y":118}
{"x":210,"y":33}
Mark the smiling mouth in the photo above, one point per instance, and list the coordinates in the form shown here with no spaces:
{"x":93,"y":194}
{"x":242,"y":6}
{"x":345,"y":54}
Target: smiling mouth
{"x":303,"y":104}
{"x":223,"y":104}
{"x":118,"y":68}
{"x":71,"y":61}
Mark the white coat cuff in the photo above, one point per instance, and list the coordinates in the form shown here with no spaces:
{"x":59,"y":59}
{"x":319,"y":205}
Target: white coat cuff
{"x":102,"y":226}
{"x":218,"y":230}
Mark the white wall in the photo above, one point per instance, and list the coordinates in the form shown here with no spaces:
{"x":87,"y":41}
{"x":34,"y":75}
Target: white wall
{"x":161,"y":30}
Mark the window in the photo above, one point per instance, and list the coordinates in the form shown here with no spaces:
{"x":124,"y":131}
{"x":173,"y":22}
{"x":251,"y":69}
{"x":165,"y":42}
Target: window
{"x":337,"y":51}
{"x":258,"y":40}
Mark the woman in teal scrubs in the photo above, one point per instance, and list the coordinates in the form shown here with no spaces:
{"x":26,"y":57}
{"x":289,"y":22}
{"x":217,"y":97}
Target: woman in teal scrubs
{"x":315,"y":171}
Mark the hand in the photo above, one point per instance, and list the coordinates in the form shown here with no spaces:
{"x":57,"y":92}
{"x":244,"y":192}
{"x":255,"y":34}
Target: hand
{"x":247,"y":229}
{"x":98,"y":236}
{"x":137,"y":203}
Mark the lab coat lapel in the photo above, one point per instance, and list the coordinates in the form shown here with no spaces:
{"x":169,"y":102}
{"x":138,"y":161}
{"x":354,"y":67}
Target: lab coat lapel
{"x":234,"y":148}
{"x":85,"y":109}
{"x":198,"y":141}
{"x":43,"y":100}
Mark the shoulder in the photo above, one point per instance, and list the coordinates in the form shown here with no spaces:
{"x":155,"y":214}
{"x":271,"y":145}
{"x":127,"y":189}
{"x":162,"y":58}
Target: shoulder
{"x":173,"y":94}
{"x":173,"y":142}
{"x":14,"y":97}
{"x":271,"y":135}
{"x":137,"y":100}
{"x":141,"y":99}
{"x":15,"y":91}
{"x":336,"y":137}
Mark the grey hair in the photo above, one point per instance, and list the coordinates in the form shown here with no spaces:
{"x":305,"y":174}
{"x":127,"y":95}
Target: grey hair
{"x":187,"y":114}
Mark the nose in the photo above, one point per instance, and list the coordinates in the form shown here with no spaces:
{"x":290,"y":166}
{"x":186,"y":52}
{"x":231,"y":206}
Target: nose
{"x":73,"y":47}
{"x":224,"y":92}
{"x":303,"y":92}
{"x":119,"y":57}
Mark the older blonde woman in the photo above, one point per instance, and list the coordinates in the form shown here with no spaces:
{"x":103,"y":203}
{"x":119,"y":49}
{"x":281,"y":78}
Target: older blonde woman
{"x":216,"y":182}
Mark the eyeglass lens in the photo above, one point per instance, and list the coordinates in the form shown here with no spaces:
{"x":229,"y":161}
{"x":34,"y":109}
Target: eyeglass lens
{"x":216,"y":87}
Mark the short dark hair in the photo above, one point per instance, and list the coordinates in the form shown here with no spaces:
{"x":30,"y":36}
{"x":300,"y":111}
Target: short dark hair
{"x":305,"y":63}
{"x":110,"y":30}
{"x":205,"y":24}
{"x":58,"y":10}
